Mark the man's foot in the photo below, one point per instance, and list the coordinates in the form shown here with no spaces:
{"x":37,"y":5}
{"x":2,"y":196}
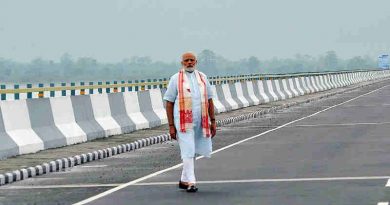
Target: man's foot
{"x":183,"y":185}
{"x":192,"y":188}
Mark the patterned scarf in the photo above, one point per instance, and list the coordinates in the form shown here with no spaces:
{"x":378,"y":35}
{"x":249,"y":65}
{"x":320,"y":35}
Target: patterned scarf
{"x":185,"y":102}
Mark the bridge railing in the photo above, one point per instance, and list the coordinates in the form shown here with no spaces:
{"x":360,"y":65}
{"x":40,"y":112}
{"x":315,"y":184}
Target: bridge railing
{"x":41,"y":90}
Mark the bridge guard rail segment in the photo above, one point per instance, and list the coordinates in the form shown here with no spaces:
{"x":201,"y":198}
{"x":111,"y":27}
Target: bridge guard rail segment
{"x":31,"y":125}
{"x":47,"y":90}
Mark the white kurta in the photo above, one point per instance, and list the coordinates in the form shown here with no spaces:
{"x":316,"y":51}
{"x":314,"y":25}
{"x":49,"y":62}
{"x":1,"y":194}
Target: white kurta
{"x":191,"y":142}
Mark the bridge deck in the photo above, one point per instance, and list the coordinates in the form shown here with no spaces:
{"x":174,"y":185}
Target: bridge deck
{"x":335,"y":151}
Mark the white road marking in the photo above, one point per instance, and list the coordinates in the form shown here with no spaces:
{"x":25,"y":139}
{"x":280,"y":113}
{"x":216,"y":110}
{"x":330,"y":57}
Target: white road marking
{"x":270,"y":180}
{"x":314,"y":125}
{"x":388,"y":183}
{"x":247,"y":127}
{"x":94,"y":166}
{"x":366,"y":105}
{"x":154,"y":148}
{"x":60,"y":186}
{"x":93,"y":198}
{"x":344,"y":124}
{"x":198,"y":182}
{"x":383,"y":203}
{"x":48,"y":178}
{"x":382,"y":96}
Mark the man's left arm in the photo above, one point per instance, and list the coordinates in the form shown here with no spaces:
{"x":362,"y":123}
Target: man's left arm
{"x":210,"y":94}
{"x":213,"y":126}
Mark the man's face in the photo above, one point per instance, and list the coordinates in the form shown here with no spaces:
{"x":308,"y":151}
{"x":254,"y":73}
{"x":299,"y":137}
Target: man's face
{"x":188,"y":60}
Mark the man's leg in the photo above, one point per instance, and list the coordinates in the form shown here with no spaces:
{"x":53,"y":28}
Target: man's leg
{"x":187,"y":150}
{"x":188,"y":173}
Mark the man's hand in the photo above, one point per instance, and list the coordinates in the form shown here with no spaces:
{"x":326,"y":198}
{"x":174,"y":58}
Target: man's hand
{"x":213,"y":129}
{"x":172,"y":132}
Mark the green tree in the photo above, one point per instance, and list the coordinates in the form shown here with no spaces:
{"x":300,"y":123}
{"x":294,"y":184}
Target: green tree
{"x":207,"y":60}
{"x":331,"y":61}
{"x":253,"y":65}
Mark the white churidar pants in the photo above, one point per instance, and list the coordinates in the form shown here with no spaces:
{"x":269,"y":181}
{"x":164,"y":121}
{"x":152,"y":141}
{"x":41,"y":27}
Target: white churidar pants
{"x":188,"y":173}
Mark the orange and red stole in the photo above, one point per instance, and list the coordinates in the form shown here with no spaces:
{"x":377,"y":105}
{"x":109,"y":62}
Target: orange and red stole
{"x":185,"y":102}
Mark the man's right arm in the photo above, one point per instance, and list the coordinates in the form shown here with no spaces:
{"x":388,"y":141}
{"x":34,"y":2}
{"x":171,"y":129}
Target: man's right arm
{"x":170,"y":97}
{"x":172,"y":129}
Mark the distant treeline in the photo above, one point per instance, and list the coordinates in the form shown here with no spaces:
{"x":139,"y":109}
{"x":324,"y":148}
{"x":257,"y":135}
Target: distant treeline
{"x":69,"y":69}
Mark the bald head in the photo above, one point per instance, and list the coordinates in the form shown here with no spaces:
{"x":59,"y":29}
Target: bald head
{"x":188,"y":60}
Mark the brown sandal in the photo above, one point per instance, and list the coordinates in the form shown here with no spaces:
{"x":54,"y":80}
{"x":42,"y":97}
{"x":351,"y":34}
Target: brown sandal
{"x":182,"y":185}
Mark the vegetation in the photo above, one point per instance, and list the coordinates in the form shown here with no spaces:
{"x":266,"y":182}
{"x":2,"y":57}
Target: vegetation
{"x":88,"y":69}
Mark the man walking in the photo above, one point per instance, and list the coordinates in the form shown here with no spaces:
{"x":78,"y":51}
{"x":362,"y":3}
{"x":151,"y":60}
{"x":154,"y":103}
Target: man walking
{"x":191,"y":118}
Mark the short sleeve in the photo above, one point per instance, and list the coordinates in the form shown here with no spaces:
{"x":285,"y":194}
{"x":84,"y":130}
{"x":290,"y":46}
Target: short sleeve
{"x":171,"y":93}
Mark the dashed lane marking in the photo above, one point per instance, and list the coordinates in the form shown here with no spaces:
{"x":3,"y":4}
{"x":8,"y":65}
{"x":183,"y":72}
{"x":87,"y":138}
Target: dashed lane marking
{"x":94,"y":166}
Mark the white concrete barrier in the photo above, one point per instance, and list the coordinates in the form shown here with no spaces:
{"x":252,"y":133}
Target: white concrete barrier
{"x":286,"y":89}
{"x":65,"y":121}
{"x":270,"y":90}
{"x":157,"y":105}
{"x":326,"y":80}
{"x":133,"y":110}
{"x":299,"y":86}
{"x":293,"y":86}
{"x":221,"y":97}
{"x":102,"y":113}
{"x":279,"y":90}
{"x":17,"y":125}
{"x":305,"y":87}
{"x":228,"y":97}
{"x":337,"y":81}
{"x":251,"y":93}
{"x":219,"y":107}
{"x":8,"y":147}
{"x":310,"y":85}
{"x":314,"y":84}
{"x":240,"y":95}
{"x":260,"y":91}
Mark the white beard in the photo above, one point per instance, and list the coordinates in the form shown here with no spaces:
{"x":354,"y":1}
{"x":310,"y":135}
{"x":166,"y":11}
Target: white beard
{"x":190,"y":69}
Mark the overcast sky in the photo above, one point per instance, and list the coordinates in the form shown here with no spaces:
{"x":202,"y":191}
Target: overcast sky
{"x":111,"y":30}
